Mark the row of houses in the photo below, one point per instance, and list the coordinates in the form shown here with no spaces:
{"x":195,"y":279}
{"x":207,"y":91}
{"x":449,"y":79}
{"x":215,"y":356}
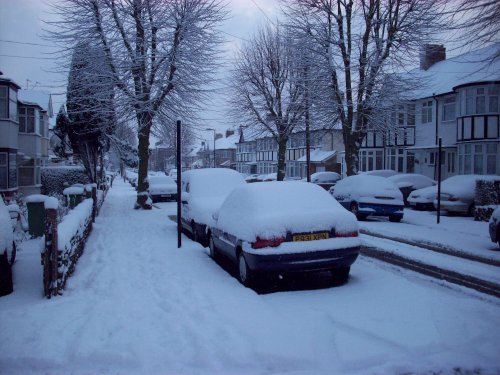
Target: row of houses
{"x":24,"y":137}
{"x":454,"y":99}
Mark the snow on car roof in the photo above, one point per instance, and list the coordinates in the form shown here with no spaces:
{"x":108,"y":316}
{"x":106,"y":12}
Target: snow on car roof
{"x":161,"y":180}
{"x":464,"y":185}
{"x":381,"y":172}
{"x":415,"y":180}
{"x":271,"y":209}
{"x":363,"y":185}
{"x":210,"y":182}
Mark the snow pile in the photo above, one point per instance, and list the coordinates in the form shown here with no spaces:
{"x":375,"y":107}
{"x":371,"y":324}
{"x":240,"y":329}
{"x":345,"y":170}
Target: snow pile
{"x":73,"y":190}
{"x":367,"y":189}
{"x":271,"y":210}
{"x":51,"y":203}
{"x":36,"y":198}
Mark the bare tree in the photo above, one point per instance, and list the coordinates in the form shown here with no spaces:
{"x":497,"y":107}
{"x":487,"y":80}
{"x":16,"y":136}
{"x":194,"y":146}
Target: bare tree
{"x":268,"y":94}
{"x":159,"y":52}
{"x":477,"y":23}
{"x":359,"y":43}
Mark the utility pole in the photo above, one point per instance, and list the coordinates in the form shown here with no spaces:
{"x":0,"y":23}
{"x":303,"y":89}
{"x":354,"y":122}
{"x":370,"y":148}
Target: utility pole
{"x":214,"y":142}
{"x":179,"y":181}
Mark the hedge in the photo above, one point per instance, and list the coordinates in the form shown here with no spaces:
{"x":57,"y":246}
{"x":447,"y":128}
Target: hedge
{"x":56,"y":179}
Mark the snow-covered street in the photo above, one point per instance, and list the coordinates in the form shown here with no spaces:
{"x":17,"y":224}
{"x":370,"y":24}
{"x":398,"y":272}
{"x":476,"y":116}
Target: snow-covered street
{"x":138,"y":305}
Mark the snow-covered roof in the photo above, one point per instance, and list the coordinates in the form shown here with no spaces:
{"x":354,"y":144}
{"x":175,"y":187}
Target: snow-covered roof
{"x":443,"y":76}
{"x":319,"y":156}
{"x":227,"y":143}
{"x":9,"y":81}
{"x":42,"y":98}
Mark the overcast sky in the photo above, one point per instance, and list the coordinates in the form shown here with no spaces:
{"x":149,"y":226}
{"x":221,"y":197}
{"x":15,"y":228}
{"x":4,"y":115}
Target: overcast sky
{"x":25,"y":56}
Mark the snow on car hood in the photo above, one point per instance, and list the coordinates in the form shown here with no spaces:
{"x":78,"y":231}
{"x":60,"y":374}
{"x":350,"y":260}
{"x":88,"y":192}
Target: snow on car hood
{"x":272,"y":209}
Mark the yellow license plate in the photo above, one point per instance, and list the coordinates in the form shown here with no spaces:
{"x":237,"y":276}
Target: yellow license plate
{"x":311,"y":236}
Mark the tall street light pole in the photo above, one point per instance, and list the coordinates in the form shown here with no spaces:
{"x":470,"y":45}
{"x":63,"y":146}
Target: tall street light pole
{"x":214,"y":141}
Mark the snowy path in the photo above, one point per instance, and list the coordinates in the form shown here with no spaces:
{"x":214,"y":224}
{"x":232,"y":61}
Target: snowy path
{"x":138,"y":305}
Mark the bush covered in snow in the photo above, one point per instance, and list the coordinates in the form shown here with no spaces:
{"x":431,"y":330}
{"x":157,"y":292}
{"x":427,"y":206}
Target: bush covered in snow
{"x":487,"y":198}
{"x":56,"y":179}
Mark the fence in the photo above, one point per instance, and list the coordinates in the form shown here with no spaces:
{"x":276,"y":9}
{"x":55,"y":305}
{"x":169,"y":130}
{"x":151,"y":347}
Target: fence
{"x":65,"y":242}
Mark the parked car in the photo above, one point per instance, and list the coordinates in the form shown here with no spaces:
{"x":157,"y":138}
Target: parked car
{"x":381,"y":173}
{"x":203,"y":191}
{"x":494,"y":225}
{"x":408,"y":182}
{"x":269,"y":177}
{"x":162,"y":188}
{"x":423,"y":199}
{"x":457,"y":193}
{"x":366,"y":195}
{"x":284,"y":227}
{"x":253,"y":178}
{"x":325,"y":179}
{"x":7,"y":250}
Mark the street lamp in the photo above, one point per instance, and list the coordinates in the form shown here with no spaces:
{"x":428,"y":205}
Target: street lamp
{"x":214,"y":141}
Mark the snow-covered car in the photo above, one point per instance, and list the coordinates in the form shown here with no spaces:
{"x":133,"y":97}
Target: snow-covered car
{"x":423,"y":199}
{"x":269,"y":177}
{"x":408,"y":182}
{"x":283,"y":227}
{"x":162,"y":188}
{"x":325,"y":179}
{"x":173,"y":174}
{"x":380,"y":173}
{"x":366,"y":195}
{"x":457,"y":193}
{"x":203,"y":191}
{"x":494,"y":225}
{"x":7,"y":250}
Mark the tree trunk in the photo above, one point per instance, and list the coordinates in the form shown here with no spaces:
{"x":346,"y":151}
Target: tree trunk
{"x":351,"y":152}
{"x":145,"y":122}
{"x":281,"y":159}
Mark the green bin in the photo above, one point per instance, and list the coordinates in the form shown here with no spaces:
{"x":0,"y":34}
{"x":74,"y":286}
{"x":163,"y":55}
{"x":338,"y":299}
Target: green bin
{"x":36,"y":214}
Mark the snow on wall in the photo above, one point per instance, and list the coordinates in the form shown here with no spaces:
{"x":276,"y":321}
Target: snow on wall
{"x":73,"y":224}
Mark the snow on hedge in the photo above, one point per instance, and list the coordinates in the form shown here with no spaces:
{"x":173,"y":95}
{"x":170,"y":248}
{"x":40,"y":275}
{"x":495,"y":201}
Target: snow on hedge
{"x":36,"y":198}
{"x":51,"y":203}
{"x":56,"y":179}
{"x":73,"y":190}
{"x":74,"y":223}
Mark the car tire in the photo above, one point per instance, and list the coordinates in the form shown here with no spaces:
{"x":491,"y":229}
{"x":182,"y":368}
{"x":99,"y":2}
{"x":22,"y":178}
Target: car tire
{"x":214,"y":254}
{"x":6,"y":286}
{"x":340,"y":275}
{"x":395,"y":219}
{"x":194,"y":232}
{"x":245,"y":275}
{"x":354,"y":208}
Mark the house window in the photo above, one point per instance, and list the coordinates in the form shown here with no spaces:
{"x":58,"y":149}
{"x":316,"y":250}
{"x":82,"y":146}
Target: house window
{"x":491,"y":158}
{"x":480,"y":101}
{"x":401,"y":115}
{"x":3,"y":170}
{"x":493,"y":93}
{"x":26,"y":120}
{"x":12,"y":170}
{"x":27,"y":173}
{"x":4,"y":102}
{"x":478,"y":159}
{"x":449,"y":109}
{"x":411,"y":115}
{"x":427,"y":112}
{"x":13,"y":104}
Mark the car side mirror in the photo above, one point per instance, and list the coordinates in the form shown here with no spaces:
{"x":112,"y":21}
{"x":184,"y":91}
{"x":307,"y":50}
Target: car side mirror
{"x":215,"y":215}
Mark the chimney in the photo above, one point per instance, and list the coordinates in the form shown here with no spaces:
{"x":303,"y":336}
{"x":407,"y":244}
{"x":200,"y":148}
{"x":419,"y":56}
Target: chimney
{"x":431,"y":54}
{"x":229,"y":132}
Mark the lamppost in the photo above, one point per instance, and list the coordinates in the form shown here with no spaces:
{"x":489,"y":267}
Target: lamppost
{"x":214,"y":141}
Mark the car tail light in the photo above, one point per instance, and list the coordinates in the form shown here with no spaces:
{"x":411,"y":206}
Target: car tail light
{"x":262,"y":242}
{"x":346,"y":234}
{"x":453,"y":199}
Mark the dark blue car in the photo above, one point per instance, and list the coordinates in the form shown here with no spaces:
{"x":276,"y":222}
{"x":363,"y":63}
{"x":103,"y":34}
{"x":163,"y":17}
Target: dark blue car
{"x":366,"y":195}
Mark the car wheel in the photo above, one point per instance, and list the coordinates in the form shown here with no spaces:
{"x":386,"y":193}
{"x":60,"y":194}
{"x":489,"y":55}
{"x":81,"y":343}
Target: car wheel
{"x":354,"y":208}
{"x":6,"y":286}
{"x":244,"y":273}
{"x":194,"y":232}
{"x":395,"y":219}
{"x":340,"y":275}
{"x":213,"y":250}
